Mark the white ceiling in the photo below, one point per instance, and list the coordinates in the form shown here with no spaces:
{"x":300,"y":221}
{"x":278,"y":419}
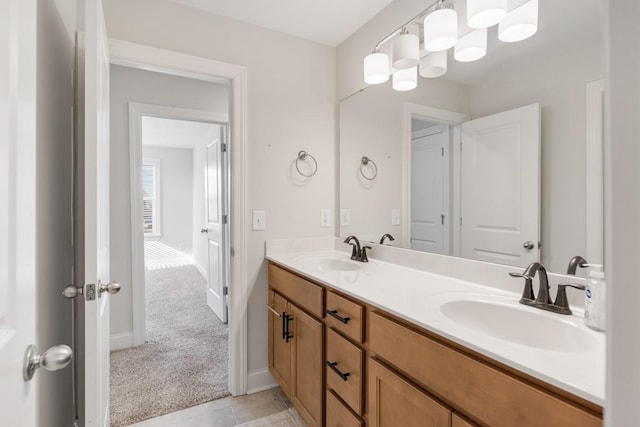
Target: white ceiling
{"x":160,"y":132}
{"x":328,"y":22}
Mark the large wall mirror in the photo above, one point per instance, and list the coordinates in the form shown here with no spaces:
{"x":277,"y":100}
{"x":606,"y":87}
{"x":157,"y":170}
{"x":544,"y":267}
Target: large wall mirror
{"x":498,"y":160}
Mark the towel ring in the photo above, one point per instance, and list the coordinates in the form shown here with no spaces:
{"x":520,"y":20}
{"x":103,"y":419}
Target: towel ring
{"x":364,"y":162}
{"x":302,"y":155}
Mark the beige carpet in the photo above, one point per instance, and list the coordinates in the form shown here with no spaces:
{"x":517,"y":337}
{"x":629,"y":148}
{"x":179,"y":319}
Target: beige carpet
{"x":184,"y":361}
{"x":288,"y":418}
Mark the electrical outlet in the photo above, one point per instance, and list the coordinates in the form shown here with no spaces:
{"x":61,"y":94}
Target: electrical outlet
{"x":395,"y":216}
{"x":259,"y":220}
{"x":345,"y":217}
{"x":325,"y":217}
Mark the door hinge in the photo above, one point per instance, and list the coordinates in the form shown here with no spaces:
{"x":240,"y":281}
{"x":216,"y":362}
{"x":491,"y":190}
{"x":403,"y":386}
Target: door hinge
{"x":232,"y":252}
{"x":460,"y":220}
{"x":442,"y":151}
{"x":442,"y":218}
{"x":225,"y":219}
{"x":224,"y":147}
{"x":225,"y":290}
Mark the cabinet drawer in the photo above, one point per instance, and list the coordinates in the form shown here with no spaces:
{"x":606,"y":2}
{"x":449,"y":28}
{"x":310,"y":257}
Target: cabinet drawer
{"x":494,"y":397}
{"x":395,"y":402}
{"x":302,"y":292}
{"x":345,"y":316}
{"x":339,"y":415}
{"x":347,"y":359}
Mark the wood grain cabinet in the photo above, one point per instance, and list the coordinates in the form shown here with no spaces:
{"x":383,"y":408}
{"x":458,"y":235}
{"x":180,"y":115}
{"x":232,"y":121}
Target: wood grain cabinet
{"x":378,"y":370}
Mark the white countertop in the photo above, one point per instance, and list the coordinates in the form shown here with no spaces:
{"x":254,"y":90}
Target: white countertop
{"x":414,"y":294}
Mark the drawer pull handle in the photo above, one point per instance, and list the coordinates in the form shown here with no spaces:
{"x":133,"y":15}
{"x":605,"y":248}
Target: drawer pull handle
{"x":332,"y":365}
{"x":334,"y":313}
{"x":273,"y":311}
{"x":286,"y":318}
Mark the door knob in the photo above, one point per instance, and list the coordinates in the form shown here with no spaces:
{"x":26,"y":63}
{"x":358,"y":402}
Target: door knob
{"x":204,"y":230}
{"x":72,"y":291}
{"x":528,"y":245}
{"x":111,"y":287}
{"x":57,"y":357}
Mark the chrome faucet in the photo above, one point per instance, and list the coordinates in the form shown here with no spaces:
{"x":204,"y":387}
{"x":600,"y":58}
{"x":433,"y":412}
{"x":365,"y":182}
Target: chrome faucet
{"x":574,"y":263}
{"x":386,"y":236}
{"x":543,"y":301}
{"x":357,"y":253}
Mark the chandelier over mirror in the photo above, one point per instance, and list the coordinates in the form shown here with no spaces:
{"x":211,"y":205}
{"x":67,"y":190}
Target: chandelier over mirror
{"x":439,"y":31}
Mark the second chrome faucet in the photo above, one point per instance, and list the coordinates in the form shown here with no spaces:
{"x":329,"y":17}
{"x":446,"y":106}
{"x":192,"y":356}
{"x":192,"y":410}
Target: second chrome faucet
{"x":543,"y":301}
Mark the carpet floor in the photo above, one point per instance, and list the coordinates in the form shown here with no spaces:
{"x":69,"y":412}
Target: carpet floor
{"x":184,"y":361}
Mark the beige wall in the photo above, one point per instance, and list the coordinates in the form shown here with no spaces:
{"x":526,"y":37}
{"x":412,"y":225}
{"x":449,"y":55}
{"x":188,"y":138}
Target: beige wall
{"x":291,"y":107}
{"x":55,"y":51}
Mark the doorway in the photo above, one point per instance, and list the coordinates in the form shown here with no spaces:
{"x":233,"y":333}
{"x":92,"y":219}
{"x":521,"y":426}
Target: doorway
{"x":178,"y":189}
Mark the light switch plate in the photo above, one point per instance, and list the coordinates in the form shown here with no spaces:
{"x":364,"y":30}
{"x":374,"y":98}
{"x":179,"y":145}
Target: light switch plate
{"x":259,"y":220}
{"x":345,"y":217}
{"x":325,"y":217}
{"x":395,"y":216}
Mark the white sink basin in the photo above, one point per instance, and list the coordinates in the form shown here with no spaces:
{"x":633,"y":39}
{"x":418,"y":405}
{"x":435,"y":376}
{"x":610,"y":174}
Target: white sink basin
{"x":505,"y":319}
{"x":330,"y":264}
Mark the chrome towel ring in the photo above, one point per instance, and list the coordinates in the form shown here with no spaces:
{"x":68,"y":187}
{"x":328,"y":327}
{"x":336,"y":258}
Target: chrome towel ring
{"x":364,"y":161}
{"x":302,"y":156}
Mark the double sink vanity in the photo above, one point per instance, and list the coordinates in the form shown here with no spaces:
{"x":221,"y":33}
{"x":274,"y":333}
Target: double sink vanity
{"x":397,"y":341}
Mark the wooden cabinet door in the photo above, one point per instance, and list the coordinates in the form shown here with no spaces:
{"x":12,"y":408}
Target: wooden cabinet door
{"x":458,"y":421}
{"x":395,"y":402}
{"x":279,"y":349}
{"x":307,"y":392}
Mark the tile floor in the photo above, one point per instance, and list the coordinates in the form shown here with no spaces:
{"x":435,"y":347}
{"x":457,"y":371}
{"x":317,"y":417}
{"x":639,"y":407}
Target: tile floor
{"x":226,"y":412}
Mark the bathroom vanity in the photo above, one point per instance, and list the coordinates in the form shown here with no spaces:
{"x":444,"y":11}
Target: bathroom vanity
{"x":355,"y":344}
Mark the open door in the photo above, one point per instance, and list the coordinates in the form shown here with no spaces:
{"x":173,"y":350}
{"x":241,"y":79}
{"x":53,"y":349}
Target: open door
{"x":500,"y":187}
{"x":92,"y":217}
{"x":17,"y":209}
{"x":217,"y":225}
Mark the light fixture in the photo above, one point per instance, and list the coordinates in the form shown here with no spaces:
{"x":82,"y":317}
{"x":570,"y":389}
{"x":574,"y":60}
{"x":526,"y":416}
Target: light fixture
{"x":405,"y":51}
{"x":440,"y":29}
{"x":376,"y":68}
{"x":404,"y":80}
{"x":485,"y":13}
{"x":433,"y":65}
{"x":519,"y":24}
{"x":471,"y":46}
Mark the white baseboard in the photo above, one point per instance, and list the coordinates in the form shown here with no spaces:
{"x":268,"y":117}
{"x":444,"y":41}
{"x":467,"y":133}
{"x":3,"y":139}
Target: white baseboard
{"x":259,"y":380}
{"x":200,"y":269}
{"x":121,"y":341}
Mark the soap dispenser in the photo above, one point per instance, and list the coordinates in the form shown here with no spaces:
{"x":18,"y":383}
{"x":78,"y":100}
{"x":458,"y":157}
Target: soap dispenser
{"x":594,"y":298}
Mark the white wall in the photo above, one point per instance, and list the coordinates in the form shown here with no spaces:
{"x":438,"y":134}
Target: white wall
{"x":131,"y":85}
{"x":55,"y":50}
{"x":291,"y":107}
{"x":561,"y":91}
{"x":622,"y":201}
{"x":176,"y":195}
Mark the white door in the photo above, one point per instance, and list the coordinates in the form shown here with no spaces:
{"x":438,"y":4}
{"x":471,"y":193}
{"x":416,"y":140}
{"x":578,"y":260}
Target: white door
{"x":216,"y":217}
{"x":92,"y":211}
{"x":500,"y":187}
{"x":17,"y":209}
{"x":430,"y":190}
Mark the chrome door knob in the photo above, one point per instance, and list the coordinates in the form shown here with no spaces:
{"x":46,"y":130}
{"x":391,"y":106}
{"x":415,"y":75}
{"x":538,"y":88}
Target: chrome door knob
{"x":111,"y":287}
{"x":72,"y":291}
{"x":204,"y":230}
{"x":57,"y":357}
{"x":528,"y":245}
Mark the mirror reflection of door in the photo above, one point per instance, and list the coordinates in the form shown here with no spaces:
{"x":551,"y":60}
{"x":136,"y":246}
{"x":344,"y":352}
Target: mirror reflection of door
{"x":430,"y":224}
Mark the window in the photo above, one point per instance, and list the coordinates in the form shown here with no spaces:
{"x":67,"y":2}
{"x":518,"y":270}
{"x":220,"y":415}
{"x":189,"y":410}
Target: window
{"x":151,"y":197}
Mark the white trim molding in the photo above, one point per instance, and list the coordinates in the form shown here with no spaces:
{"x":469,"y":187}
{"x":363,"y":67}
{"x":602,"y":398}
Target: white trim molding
{"x":120,"y":341}
{"x":154,"y":59}
{"x":259,"y":380}
{"x":595,"y":173}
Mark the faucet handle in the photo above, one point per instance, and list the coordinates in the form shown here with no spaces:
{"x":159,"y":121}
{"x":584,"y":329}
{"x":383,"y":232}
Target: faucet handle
{"x":562,"y":304}
{"x":363,"y":253}
{"x":527,"y":295}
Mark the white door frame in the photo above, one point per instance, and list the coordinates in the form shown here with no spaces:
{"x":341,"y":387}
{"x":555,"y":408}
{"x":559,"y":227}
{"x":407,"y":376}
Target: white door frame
{"x":136,"y":111}
{"x":439,"y":116}
{"x":153,"y":59}
{"x":595,"y":172}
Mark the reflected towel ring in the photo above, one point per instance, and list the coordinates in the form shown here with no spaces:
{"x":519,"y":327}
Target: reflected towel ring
{"x":302,"y":155}
{"x":364,"y":162}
